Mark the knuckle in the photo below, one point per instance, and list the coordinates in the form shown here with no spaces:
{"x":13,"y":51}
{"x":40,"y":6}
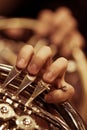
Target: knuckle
{"x":28,"y":46}
{"x":26,"y":49}
{"x":48,"y":48}
{"x":64,"y":60}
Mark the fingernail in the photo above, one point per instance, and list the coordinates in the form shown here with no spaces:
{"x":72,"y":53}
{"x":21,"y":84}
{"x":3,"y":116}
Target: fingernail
{"x":33,"y":68}
{"x":21,"y":62}
{"x":48,"y":76}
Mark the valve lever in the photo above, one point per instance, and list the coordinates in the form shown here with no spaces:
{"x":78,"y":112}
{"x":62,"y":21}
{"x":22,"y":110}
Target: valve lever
{"x":41,"y":87}
{"x":26,"y":82}
{"x":12,"y":74}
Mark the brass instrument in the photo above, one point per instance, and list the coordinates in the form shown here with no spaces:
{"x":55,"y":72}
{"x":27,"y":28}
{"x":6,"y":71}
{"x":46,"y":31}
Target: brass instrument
{"x":22,"y":106}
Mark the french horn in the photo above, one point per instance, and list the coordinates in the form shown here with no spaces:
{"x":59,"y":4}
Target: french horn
{"x":22,"y":106}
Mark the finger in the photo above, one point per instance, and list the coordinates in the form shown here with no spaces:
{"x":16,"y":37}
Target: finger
{"x":17,"y":27}
{"x":63,"y":22}
{"x":44,"y":26}
{"x":60,"y":14}
{"x":60,"y":95}
{"x":75,"y":39}
{"x":39,"y":59}
{"x":66,"y":26}
{"x":24,"y":56}
{"x":56,"y":69}
{"x":45,"y":16}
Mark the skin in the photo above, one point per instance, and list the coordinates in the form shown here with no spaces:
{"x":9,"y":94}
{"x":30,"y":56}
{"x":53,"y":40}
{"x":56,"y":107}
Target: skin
{"x":62,"y":30}
{"x":34,"y":61}
{"x":53,"y":74}
{"x":59,"y":27}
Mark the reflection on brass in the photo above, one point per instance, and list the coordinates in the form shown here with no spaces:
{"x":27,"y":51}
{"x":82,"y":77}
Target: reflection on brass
{"x":28,"y":79}
{"x":41,"y":87}
{"x":17,"y":113}
{"x":12,"y":74}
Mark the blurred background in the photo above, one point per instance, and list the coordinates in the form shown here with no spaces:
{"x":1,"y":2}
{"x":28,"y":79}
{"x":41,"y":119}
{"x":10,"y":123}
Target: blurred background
{"x":10,"y":42}
{"x":31,"y":8}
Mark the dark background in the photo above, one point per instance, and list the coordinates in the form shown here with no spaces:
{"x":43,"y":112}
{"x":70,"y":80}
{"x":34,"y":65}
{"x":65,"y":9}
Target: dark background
{"x":78,"y":7}
{"x":31,"y":8}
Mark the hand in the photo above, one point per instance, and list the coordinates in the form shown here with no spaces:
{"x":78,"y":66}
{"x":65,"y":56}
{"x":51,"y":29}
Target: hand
{"x":58,"y":27}
{"x":61,"y":29}
{"x":40,"y":63}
